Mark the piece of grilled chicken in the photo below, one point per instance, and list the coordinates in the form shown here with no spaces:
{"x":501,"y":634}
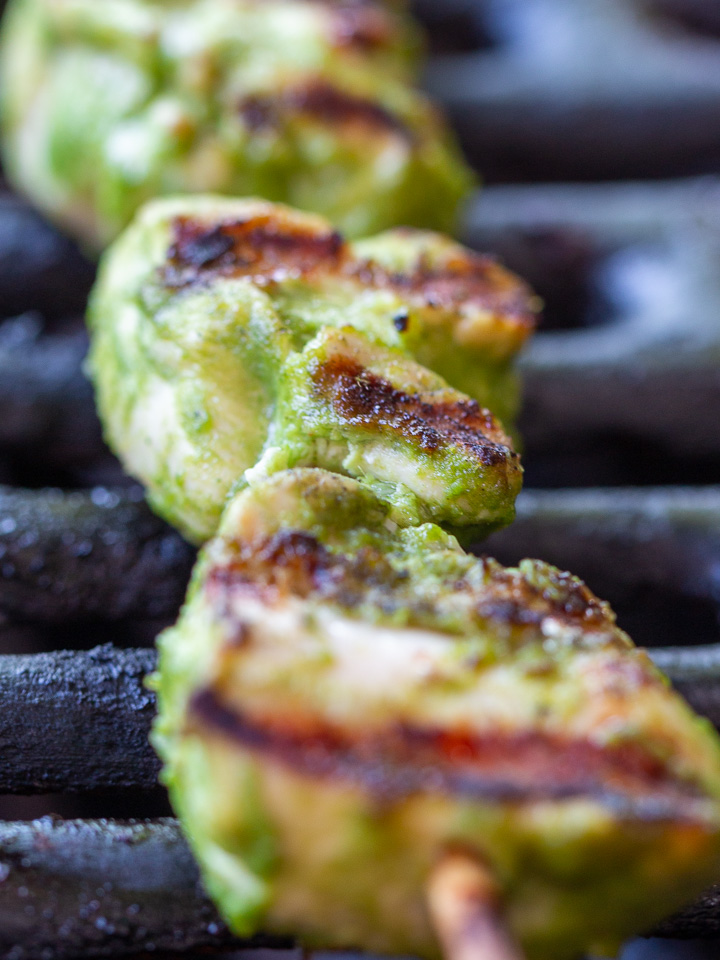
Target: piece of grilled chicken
{"x":345,"y":702}
{"x":237,"y":335}
{"x":109,"y":104}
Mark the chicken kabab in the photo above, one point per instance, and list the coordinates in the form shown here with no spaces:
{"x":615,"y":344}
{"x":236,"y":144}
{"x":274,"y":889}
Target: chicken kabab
{"x":107,"y":105}
{"x":358,"y":719}
{"x":236,"y":338}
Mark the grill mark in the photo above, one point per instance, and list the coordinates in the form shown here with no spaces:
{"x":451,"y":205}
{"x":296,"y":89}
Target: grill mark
{"x":362,"y":398}
{"x":258,"y":247}
{"x":508,"y":768}
{"x":324,"y":102}
{"x":510,"y":598}
{"x":361,"y":24}
{"x":296,"y":563}
{"x":472,"y":278}
{"x":268,"y":251}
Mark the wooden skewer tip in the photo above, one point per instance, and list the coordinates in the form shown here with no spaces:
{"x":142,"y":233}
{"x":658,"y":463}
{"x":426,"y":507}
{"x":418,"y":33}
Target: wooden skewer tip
{"x":465,"y":909}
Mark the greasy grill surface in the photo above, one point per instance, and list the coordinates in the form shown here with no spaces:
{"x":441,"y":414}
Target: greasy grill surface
{"x":622,"y":388}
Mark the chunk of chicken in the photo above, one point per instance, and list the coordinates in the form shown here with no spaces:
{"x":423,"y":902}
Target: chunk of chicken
{"x":344,"y":701}
{"x":237,"y":335}
{"x":109,"y":104}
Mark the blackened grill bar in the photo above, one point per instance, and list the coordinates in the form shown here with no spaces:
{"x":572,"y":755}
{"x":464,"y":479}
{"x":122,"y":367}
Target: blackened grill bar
{"x":77,"y":889}
{"x":585,"y":89}
{"x":98,"y":554}
{"x":633,"y":268}
{"x":76,"y":722}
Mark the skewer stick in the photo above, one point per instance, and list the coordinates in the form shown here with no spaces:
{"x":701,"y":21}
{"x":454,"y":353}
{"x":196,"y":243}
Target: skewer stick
{"x":465,"y":910}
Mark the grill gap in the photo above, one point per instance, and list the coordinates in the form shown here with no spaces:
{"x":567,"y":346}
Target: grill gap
{"x":698,"y":17}
{"x":454,"y":26}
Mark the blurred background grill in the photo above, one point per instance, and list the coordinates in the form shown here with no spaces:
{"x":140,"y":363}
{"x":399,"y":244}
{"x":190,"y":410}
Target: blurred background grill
{"x":596,"y":124}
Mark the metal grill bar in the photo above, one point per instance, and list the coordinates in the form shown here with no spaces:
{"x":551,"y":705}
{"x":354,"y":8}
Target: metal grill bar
{"x":640,"y":262}
{"x":40,"y":269}
{"x":99,"y":554}
{"x":619,"y":539}
{"x":76,"y":721}
{"x":81,"y":889}
{"x":74,"y":889}
{"x":45,"y":399}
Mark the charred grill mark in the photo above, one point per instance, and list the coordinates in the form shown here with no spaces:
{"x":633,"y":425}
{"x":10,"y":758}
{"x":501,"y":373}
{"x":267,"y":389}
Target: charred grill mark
{"x":364,"y":399}
{"x":325,"y":103}
{"x":296,"y":559}
{"x":499,"y":767}
{"x":260,"y":111}
{"x":269,"y":250}
{"x":470,"y":279}
{"x":401,"y":321}
{"x":260,"y":247}
{"x":511,"y":598}
{"x":361,"y":24}
{"x":294,"y":562}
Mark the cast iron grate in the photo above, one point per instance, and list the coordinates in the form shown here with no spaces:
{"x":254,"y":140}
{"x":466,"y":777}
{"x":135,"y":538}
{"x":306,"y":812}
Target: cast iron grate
{"x":622,"y":447}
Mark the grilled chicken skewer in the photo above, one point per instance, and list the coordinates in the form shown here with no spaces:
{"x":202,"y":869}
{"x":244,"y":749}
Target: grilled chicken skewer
{"x":348,"y":706}
{"x":107,"y":105}
{"x":234,"y":338}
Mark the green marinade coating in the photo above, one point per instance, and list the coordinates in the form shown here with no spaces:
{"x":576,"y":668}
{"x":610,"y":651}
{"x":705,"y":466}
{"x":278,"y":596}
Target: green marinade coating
{"x":235,"y":338}
{"x":109,"y":104}
{"x":344,"y":699}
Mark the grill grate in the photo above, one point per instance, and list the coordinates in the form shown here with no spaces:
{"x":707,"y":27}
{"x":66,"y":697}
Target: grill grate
{"x":77,"y":889}
{"x":621,"y":390}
